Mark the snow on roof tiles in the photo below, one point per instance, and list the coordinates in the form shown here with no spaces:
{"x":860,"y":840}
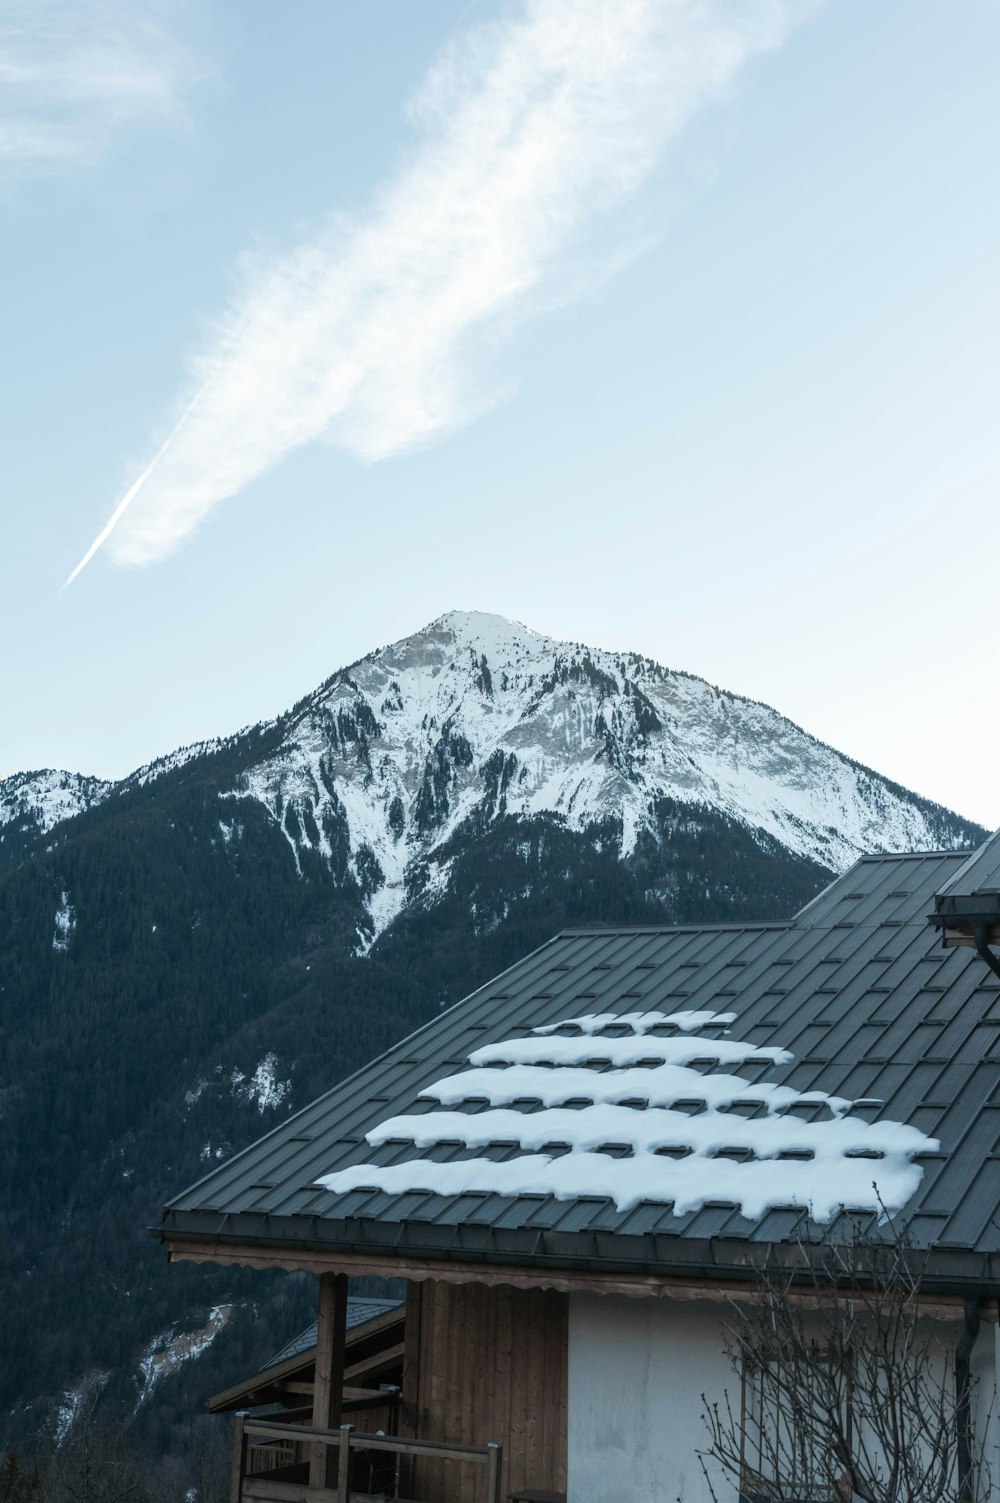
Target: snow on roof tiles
{"x":641,"y":1152}
{"x":854,"y":998}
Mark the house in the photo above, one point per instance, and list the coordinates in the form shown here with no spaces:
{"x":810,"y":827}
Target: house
{"x":576,"y":1168}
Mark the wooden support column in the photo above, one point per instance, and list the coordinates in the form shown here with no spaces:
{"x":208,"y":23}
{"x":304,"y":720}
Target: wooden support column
{"x":239,"y":1457}
{"x":495,"y":1469}
{"x":409,"y":1407}
{"x":328,"y":1387}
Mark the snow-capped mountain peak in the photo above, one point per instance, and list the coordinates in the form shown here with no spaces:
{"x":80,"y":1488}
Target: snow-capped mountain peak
{"x":32,"y":803}
{"x":476,"y":717}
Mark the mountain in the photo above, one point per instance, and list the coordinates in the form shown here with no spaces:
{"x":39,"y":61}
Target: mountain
{"x":31,"y":803}
{"x":190,"y":953}
{"x":476,"y":718}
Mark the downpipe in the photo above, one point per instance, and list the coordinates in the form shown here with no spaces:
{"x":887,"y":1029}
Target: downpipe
{"x":981,"y":937}
{"x":963,"y":1400}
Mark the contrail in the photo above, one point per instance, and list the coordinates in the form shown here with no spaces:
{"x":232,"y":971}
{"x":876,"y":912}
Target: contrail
{"x":133,"y":491}
{"x":372,"y":333}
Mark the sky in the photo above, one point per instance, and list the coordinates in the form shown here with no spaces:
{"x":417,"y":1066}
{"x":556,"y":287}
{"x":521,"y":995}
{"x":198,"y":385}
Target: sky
{"x":667,"y":326}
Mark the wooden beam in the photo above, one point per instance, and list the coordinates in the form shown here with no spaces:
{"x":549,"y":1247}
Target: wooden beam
{"x":372,"y":1366}
{"x":288,"y":1492}
{"x":328,"y":1385}
{"x":261,"y":1388}
{"x":451,"y":1450}
{"x":638,"y":1285}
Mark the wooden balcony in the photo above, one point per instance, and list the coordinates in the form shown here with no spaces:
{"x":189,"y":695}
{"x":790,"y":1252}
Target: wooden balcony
{"x":424,"y":1385}
{"x":273,"y":1462}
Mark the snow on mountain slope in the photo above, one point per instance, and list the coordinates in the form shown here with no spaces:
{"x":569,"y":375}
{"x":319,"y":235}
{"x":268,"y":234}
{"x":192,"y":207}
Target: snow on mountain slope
{"x":476,"y":717}
{"x":158,"y":768}
{"x":31,"y":803}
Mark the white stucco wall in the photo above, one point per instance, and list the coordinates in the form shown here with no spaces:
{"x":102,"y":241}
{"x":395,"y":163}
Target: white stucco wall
{"x":637,"y":1372}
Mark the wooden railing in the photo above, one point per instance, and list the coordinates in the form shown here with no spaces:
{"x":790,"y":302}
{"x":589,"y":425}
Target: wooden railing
{"x":246,"y":1486}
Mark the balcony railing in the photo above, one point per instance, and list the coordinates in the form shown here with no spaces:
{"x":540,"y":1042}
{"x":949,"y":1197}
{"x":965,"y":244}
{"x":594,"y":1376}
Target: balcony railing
{"x":266,"y":1449}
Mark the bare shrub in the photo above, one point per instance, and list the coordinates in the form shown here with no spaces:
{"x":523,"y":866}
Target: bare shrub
{"x":848,"y":1389}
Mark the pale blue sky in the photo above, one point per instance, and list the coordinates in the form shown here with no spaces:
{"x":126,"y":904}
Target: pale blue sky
{"x":742,"y":420}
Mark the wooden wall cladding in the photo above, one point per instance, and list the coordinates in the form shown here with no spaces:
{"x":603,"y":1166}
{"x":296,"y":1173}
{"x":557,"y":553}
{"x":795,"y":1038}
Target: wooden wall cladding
{"x":487,"y":1362}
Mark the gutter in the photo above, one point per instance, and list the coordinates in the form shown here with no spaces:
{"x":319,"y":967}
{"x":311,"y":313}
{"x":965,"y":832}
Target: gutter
{"x":980,"y":932}
{"x":969,"y":922}
{"x":955,"y":1272}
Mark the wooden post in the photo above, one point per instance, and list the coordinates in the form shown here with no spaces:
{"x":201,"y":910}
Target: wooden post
{"x":494,"y":1467}
{"x":409,"y":1406}
{"x":328,"y":1384}
{"x":239,"y":1457}
{"x":344,"y":1464}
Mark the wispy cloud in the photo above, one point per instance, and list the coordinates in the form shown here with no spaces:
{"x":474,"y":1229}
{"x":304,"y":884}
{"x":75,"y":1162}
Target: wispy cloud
{"x":529,"y":130}
{"x":74,"y":72}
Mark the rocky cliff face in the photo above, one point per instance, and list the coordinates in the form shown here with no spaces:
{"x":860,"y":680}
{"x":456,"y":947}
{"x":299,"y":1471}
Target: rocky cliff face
{"x":32,"y":803}
{"x":476,"y":717}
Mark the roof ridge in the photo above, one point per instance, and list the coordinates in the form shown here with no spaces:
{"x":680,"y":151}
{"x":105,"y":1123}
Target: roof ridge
{"x":734,"y":928}
{"x":912,"y":856}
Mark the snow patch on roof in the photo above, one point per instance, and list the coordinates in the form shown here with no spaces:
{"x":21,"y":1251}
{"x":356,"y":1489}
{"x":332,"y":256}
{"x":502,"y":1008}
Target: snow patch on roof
{"x":634,"y":1117}
{"x":640,"y":1022}
{"x":630,"y":1048}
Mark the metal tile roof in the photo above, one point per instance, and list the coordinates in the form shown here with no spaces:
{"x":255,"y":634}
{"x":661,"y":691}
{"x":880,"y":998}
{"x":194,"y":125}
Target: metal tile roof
{"x":359,"y":1312}
{"x":979,"y":874}
{"x":857,"y":986}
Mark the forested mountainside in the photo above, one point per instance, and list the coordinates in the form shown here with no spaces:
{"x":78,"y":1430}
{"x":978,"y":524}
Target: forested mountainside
{"x":191,"y":953}
{"x":33,"y":802}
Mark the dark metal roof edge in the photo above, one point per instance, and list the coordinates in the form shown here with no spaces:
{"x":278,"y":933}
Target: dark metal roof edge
{"x":985,"y":857}
{"x":822,"y":894}
{"x":593,"y":1252}
{"x":871,"y":856}
{"x":602,"y":931}
{"x":875,"y":858}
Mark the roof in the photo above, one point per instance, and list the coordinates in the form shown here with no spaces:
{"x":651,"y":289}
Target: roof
{"x":967,"y":905}
{"x":373,"y":1351}
{"x":855,"y":997}
{"x":359,"y":1313}
{"x":978,"y":874}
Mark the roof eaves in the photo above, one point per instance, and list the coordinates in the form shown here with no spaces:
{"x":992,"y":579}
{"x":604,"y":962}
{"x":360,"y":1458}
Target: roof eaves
{"x":657,"y":1254}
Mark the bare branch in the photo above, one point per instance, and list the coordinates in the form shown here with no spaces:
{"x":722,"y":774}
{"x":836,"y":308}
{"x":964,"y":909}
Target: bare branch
{"x":848,"y":1395}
